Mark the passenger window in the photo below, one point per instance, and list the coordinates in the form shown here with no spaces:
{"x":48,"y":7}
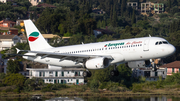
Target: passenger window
{"x":160,"y":42}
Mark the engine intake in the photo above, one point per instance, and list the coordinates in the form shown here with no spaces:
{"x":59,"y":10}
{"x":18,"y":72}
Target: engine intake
{"x":97,"y":63}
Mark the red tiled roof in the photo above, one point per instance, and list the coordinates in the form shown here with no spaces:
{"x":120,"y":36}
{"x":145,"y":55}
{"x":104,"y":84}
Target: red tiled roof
{"x":175,"y":64}
{"x":7,"y":21}
{"x":46,"y":5}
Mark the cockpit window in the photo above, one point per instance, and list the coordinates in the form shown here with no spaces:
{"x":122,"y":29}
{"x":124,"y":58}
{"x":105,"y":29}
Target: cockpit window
{"x":165,"y":42}
{"x":161,"y":42}
{"x":156,"y":43}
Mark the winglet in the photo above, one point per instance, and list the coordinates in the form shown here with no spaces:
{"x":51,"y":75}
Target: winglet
{"x":149,"y":35}
{"x":17,"y":50}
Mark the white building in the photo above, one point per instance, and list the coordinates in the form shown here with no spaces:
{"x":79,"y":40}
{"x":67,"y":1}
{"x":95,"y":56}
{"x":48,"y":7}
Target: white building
{"x":149,"y":74}
{"x":7,"y":41}
{"x":35,"y":2}
{"x":63,"y":75}
{"x":4,"y":1}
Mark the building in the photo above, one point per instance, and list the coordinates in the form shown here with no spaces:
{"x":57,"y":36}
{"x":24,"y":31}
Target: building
{"x":8,"y":31}
{"x":98,"y":11}
{"x":49,"y":37}
{"x":149,"y":7}
{"x":133,"y":5}
{"x":149,"y":74}
{"x":58,"y":75}
{"x":23,"y":38}
{"x":98,"y":32}
{"x":7,"y":41}
{"x":7,"y":23}
{"x":4,"y":1}
{"x":173,"y":67}
{"x":46,"y":5}
{"x":146,"y":7}
{"x":35,"y":2}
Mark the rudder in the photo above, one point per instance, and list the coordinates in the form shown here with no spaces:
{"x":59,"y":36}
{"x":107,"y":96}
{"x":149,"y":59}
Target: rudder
{"x":35,"y":38}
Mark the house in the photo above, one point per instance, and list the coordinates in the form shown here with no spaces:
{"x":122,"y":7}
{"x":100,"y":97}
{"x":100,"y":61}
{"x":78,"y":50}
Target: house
{"x":149,"y":74}
{"x":173,"y":67}
{"x":20,"y":22}
{"x":8,"y":31}
{"x":4,"y":1}
{"x":3,"y":64}
{"x":23,"y":38}
{"x":35,"y":2}
{"x":7,"y":23}
{"x":133,"y":5}
{"x":150,"y":7}
{"x":7,"y":41}
{"x":49,"y":37}
{"x":44,"y":5}
{"x":102,"y":31}
{"x":58,"y":75}
{"x":98,"y":11}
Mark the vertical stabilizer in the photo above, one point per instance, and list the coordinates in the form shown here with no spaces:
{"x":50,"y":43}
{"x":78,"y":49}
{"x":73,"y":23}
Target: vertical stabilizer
{"x":34,"y":37}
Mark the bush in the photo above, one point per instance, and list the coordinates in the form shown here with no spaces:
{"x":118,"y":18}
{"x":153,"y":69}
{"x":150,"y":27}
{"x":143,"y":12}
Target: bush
{"x":94,"y":85}
{"x":137,"y":88}
{"x":45,"y":89}
{"x":8,"y":90}
{"x":103,"y":85}
{"x":59,"y":86}
{"x":173,"y":79}
{"x":81,"y":88}
{"x":111,"y":84}
{"x":114,"y":89}
{"x":163,"y":15}
{"x":17,"y":90}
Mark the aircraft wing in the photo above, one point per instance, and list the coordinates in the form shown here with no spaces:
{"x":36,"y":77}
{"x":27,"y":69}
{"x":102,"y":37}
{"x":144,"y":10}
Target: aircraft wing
{"x":62,"y":56}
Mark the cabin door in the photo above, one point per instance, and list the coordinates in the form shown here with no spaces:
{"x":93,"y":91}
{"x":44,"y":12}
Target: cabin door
{"x":146,"y":45}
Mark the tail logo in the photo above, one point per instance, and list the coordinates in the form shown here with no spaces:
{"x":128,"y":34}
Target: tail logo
{"x":33,"y":36}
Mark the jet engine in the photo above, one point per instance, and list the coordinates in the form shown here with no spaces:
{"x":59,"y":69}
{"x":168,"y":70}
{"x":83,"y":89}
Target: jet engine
{"x":139,"y":64}
{"x":97,"y":63}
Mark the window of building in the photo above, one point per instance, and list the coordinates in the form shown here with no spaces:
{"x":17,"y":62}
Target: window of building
{"x":172,"y":70}
{"x":39,"y":74}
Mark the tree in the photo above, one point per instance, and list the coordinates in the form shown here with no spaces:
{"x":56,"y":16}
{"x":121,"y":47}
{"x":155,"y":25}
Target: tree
{"x":94,"y":85}
{"x":13,"y":66}
{"x":32,"y":84}
{"x":102,"y":75}
{"x":133,"y":18}
{"x":14,"y":79}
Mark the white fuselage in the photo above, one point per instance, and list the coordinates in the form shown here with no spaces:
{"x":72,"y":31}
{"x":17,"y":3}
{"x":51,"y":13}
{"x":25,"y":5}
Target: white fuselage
{"x":121,"y":50}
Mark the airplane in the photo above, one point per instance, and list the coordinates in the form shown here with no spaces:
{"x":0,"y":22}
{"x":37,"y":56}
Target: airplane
{"x":94,"y":55}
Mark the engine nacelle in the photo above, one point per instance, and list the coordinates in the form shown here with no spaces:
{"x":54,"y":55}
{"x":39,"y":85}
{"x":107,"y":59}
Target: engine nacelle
{"x":139,"y":64}
{"x":97,"y":63}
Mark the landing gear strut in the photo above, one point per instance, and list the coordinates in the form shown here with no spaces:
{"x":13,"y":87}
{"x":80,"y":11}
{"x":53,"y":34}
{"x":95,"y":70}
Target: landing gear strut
{"x":115,"y":71}
{"x":154,"y":68}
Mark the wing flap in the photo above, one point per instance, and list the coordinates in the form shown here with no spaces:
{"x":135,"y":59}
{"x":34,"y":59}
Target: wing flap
{"x":64,"y":56}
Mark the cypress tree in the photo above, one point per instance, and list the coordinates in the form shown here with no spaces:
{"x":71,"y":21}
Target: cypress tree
{"x":133,"y":18}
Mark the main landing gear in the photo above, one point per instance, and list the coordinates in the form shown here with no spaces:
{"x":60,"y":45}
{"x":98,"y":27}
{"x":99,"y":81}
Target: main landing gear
{"x":86,"y":73}
{"x":115,"y":71}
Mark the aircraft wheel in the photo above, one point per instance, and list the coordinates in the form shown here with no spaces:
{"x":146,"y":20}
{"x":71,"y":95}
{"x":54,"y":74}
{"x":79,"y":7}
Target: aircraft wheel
{"x":114,"y":73}
{"x":86,"y":74}
{"x":89,"y":74}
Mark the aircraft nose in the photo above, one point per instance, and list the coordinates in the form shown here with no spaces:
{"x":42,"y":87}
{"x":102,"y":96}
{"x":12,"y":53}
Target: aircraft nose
{"x":171,"y":49}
